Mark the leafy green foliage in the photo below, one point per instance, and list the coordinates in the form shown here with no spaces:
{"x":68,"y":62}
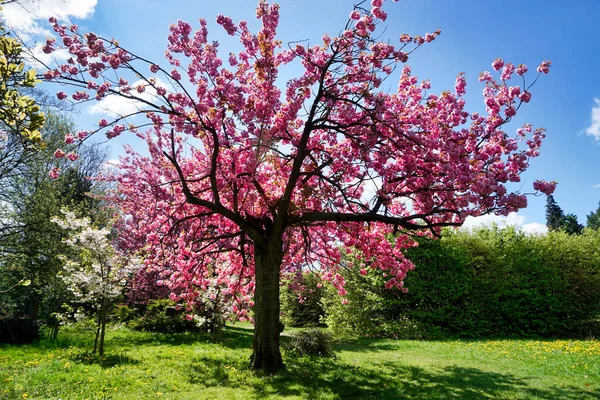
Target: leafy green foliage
{"x":571,"y":225}
{"x":593,"y":219}
{"x":162,"y":316}
{"x":557,"y":220}
{"x":311,"y":342}
{"x":29,"y":242}
{"x":301,"y":303}
{"x":492,"y":282}
{"x":554,"y":214}
{"x":19,"y":113}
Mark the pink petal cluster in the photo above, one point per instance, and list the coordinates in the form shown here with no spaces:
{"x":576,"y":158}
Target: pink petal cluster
{"x":545,"y":187}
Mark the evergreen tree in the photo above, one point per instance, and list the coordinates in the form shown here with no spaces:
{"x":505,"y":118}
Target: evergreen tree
{"x":555,"y":216}
{"x":593,"y":219}
{"x":571,"y":225}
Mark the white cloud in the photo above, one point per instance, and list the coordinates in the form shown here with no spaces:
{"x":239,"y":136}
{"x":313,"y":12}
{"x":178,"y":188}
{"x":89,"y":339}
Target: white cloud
{"x":512,"y":219}
{"x":596,"y":186}
{"x":594,"y":128}
{"x":28,"y":17}
{"x":110,"y":166}
{"x":117,"y":106}
{"x":535,"y":228}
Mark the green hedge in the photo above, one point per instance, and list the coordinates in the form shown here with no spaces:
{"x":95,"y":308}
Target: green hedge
{"x":491,"y":282}
{"x":18,"y":330}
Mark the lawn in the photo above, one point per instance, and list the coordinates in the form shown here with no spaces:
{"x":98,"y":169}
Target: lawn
{"x":183,"y":366}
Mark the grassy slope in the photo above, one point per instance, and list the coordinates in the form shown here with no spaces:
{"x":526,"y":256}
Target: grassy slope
{"x":143,"y":365}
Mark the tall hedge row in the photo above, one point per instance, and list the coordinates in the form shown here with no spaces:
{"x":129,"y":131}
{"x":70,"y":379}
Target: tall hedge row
{"x":490,"y":282}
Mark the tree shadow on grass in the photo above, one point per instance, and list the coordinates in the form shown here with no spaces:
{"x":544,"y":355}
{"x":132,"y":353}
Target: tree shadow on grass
{"x":232,"y":337}
{"x":158,"y":339}
{"x":365,"y":344}
{"x":317,"y":378}
{"x":108,"y":360}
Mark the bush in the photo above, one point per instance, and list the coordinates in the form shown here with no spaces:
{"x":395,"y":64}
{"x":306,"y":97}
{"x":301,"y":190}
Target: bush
{"x":311,"y":342}
{"x":491,"y":282}
{"x":163,"y":316}
{"x":301,"y":302}
{"x":123,"y":314}
{"x":18,"y":330}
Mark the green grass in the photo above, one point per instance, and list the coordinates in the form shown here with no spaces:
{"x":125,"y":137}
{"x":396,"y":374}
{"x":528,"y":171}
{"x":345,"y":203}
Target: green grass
{"x":181,"y":366}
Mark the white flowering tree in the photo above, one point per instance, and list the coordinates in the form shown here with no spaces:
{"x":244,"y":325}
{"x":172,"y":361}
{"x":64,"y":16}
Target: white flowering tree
{"x":97,"y":273}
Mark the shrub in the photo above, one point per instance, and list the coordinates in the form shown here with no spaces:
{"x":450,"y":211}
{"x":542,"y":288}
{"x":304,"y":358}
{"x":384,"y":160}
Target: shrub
{"x":301,"y":302}
{"x":18,"y":330}
{"x":311,"y":342}
{"x":124,"y":314}
{"x":163,"y":316}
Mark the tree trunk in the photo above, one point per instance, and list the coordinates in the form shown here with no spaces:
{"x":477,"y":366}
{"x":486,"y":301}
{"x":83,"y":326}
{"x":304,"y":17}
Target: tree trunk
{"x":266,"y":354}
{"x":97,"y":332}
{"x":103,"y":315}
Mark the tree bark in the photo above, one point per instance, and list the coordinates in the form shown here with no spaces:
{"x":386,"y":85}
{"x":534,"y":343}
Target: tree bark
{"x":266,"y":354}
{"x":103,"y":315}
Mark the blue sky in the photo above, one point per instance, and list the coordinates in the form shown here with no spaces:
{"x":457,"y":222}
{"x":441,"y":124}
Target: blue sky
{"x":474,"y":33}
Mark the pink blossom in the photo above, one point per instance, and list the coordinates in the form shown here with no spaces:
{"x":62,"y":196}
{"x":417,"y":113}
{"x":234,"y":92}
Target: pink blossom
{"x":154,"y":68}
{"x":545,"y":187}
{"x":115,"y":131}
{"x":82,"y":134}
{"x":175,"y":75}
{"x":521,"y":69}
{"x":72,"y":156}
{"x":227,"y":23}
{"x":544,"y":67}
{"x":510,"y":111}
{"x":61,"y":95}
{"x":54,"y":173}
{"x":507,"y":71}
{"x":525,"y":97}
{"x":69,"y":139}
{"x":498,"y":64}
{"x":49,"y":46}
{"x":59,"y":153}
{"x":102,"y":123}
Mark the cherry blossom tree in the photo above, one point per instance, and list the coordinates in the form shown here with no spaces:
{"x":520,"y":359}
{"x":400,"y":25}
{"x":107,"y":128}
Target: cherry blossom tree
{"x":97,"y":275}
{"x":249,"y":180}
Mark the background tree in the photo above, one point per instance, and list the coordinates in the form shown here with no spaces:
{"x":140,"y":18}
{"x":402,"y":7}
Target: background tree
{"x":29,"y":198}
{"x":557,"y":220}
{"x":20,"y":116}
{"x":571,"y":225}
{"x":593,"y":219}
{"x":269,"y":182}
{"x":96,"y":274}
{"x":554,"y":214}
